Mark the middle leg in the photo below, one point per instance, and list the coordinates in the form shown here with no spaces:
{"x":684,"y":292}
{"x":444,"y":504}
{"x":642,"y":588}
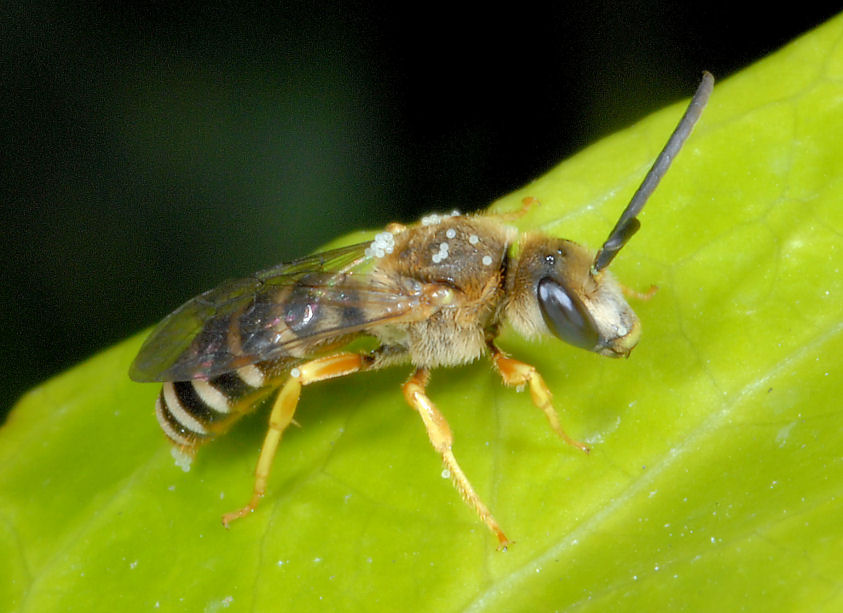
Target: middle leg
{"x":441,"y":438}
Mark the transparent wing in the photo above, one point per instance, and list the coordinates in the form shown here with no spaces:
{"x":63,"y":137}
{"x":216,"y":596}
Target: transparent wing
{"x":289,"y":310}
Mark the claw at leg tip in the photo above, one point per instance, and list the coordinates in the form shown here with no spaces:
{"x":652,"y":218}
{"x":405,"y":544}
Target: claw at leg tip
{"x":505,"y":544}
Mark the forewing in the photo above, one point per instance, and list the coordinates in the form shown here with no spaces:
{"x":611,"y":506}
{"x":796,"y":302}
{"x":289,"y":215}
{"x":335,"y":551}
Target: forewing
{"x":284,"y":310}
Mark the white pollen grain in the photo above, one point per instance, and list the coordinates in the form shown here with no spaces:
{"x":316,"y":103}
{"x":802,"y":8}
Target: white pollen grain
{"x":383,"y":243}
{"x":295,"y":372}
{"x":473,"y":239}
{"x":487,"y":260}
{"x":451,"y":233}
{"x":435,"y":218}
{"x":437,"y":258}
{"x":182,"y":459}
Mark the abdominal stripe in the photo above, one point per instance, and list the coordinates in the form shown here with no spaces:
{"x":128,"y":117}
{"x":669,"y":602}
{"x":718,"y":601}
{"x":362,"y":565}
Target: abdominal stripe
{"x":187,"y":410}
{"x":190,"y":401}
{"x":231,"y":385}
{"x":175,"y":431}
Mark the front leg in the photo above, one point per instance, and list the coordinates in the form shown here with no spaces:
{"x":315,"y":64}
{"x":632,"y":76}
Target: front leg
{"x":517,"y":373}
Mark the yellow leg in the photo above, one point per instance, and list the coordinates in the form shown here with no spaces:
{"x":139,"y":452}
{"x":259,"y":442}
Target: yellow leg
{"x":526,"y":204}
{"x":633,"y":293}
{"x":441,"y":438}
{"x":516,"y":373}
{"x":283,"y":410}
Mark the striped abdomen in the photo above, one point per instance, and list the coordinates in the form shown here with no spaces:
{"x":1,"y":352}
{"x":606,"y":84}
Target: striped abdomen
{"x":193,"y":412}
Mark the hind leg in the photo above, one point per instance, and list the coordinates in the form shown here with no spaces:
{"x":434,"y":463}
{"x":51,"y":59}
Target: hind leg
{"x":283,"y":410}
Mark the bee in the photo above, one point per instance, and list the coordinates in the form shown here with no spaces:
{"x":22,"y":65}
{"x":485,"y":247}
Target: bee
{"x":432,"y":294}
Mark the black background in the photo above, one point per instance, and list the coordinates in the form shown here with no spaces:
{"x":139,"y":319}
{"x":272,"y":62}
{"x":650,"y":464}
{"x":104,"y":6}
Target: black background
{"x":150,"y":151}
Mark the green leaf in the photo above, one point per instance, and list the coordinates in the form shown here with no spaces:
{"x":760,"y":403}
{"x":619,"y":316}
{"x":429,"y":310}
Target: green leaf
{"x":716,"y":478}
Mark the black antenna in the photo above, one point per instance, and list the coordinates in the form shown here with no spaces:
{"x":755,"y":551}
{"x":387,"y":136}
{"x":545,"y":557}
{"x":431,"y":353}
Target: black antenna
{"x":628,"y":224}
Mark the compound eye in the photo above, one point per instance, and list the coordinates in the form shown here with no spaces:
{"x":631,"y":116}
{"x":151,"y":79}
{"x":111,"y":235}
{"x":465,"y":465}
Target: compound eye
{"x":566,"y":316}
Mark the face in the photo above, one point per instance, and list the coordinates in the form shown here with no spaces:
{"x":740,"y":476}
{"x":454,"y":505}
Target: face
{"x":555,"y":286}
